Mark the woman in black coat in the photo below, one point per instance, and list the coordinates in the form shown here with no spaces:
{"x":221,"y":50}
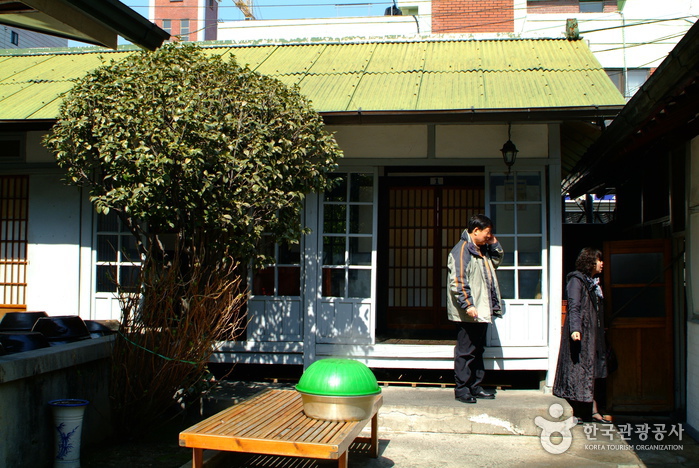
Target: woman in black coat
{"x":582,"y":355}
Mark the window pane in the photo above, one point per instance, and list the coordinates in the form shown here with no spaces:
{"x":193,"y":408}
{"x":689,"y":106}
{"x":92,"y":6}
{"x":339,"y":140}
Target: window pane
{"x":506,"y":280}
{"x":108,"y":222}
{"x":591,"y":6}
{"x":502,"y":188}
{"x":528,"y":187}
{"x":528,"y":219}
{"x":635,"y":79}
{"x":362,"y":188}
{"x":267,"y":246}
{"x":289,"y":281}
{"x":529,"y":284}
{"x":263,"y":282}
{"x":335,"y":219}
{"x":508,"y":245}
{"x":529,"y":251}
{"x":360,"y":250}
{"x":359,"y":283}
{"x":503,"y":217}
{"x":128,"y":278}
{"x":615,"y":74}
{"x":637,"y":268}
{"x":333,"y":250}
{"x":333,"y":282}
{"x":339,"y":191}
{"x":107,"y":248}
{"x":129,"y":251}
{"x":361,"y":219}
{"x":289,"y":254}
{"x":639,"y":302}
{"x":106,"y":278}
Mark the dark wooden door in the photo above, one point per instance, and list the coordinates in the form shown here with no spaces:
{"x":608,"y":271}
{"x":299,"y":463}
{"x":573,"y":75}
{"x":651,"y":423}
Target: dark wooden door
{"x":422,"y":225}
{"x":638,"y":312}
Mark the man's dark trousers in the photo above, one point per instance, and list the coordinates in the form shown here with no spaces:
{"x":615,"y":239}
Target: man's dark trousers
{"x":468,"y":358}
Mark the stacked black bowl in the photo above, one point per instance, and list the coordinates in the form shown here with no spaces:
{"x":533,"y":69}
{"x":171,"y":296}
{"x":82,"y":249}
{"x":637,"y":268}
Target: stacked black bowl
{"x":61,"y":329}
{"x":20,"y":321}
{"x":20,"y":341}
{"x":16,"y":335}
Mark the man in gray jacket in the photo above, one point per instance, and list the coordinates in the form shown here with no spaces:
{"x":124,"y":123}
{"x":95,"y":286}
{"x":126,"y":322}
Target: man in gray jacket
{"x":474,"y":299}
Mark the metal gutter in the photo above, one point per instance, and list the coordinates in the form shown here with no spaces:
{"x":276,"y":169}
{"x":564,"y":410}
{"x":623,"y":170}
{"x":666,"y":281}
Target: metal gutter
{"x":593,"y":113}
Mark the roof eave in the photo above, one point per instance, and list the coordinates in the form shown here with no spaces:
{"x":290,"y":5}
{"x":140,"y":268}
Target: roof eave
{"x":679,"y":70}
{"x":95,"y":23}
{"x":546,"y":114}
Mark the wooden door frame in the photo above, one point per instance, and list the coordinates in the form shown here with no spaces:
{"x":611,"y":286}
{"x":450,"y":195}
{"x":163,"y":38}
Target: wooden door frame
{"x":412,"y":177}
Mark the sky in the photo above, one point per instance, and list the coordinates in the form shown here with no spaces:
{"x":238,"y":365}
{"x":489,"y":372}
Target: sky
{"x":279,"y":9}
{"x":289,"y":9}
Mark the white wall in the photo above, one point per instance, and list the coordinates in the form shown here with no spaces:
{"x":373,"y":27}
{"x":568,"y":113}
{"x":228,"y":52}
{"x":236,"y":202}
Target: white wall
{"x":381,"y":141}
{"x":630,"y":38}
{"x":451,"y":141}
{"x":53,"y":251}
{"x":333,"y":28}
{"x":485,"y":141}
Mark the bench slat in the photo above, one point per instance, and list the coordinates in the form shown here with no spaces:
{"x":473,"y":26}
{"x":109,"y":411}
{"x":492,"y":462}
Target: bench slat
{"x":273,"y":423}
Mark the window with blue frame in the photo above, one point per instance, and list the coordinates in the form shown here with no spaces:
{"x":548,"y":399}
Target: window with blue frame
{"x":347,"y":239}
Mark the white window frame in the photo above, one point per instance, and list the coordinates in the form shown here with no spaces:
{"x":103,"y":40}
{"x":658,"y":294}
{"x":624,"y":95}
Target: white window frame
{"x":516,"y":236}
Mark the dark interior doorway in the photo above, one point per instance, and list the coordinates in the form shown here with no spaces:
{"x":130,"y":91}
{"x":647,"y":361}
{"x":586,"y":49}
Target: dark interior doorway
{"x":421,"y":218}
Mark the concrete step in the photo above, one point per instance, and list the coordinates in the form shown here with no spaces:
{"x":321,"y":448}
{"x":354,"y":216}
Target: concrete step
{"x":429,"y":409}
{"x":420,"y":409}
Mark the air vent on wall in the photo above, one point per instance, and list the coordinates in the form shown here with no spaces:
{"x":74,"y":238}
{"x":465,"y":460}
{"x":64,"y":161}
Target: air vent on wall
{"x":11,"y":148}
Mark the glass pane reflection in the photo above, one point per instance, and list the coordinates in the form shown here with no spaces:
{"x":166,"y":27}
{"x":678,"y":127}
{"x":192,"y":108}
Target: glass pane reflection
{"x":333,"y":250}
{"x":506,"y":280}
{"x":361,"y":188}
{"x":360,"y":251}
{"x":529,"y":186}
{"x":529,"y":284}
{"x":289,"y":281}
{"x":359,"y":283}
{"x":529,"y":251}
{"x":528,"y":219}
{"x":333,"y":282}
{"x":361,"y":219}
{"x":107,"y":248}
{"x":335,"y":219}
{"x":501,"y":187}
{"x":106,"y":278}
{"x":339,"y":190}
{"x":508,"y":245}
{"x":503,"y":217}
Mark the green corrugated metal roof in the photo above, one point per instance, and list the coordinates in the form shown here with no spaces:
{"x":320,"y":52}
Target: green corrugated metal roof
{"x":435,"y":75}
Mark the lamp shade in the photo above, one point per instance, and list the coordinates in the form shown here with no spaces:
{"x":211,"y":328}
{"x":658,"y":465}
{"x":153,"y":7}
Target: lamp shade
{"x":509,"y":153}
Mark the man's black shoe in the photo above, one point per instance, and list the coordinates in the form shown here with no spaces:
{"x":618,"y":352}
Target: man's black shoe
{"x":484,"y":395}
{"x":466,"y":399}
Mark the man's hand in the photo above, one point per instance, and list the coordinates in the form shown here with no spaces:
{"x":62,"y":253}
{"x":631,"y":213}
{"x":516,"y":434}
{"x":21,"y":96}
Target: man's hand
{"x":492,"y":240}
{"x":472,"y":312}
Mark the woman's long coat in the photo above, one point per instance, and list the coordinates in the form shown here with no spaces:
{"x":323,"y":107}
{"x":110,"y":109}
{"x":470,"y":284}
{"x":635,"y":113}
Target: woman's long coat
{"x":581,"y":362}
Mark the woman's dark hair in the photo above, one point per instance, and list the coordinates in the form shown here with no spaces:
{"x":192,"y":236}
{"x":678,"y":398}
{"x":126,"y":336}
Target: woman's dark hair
{"x":587,"y":259}
{"x":479,"y":221}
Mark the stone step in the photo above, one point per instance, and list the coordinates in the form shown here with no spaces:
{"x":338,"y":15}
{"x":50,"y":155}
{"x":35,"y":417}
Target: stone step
{"x":429,"y":409}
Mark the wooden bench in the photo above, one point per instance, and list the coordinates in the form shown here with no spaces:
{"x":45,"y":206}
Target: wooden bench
{"x":273,"y":423}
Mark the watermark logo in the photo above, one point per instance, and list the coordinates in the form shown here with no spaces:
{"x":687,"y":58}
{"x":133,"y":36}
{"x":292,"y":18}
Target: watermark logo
{"x":550,"y":428}
{"x":556,"y":436}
